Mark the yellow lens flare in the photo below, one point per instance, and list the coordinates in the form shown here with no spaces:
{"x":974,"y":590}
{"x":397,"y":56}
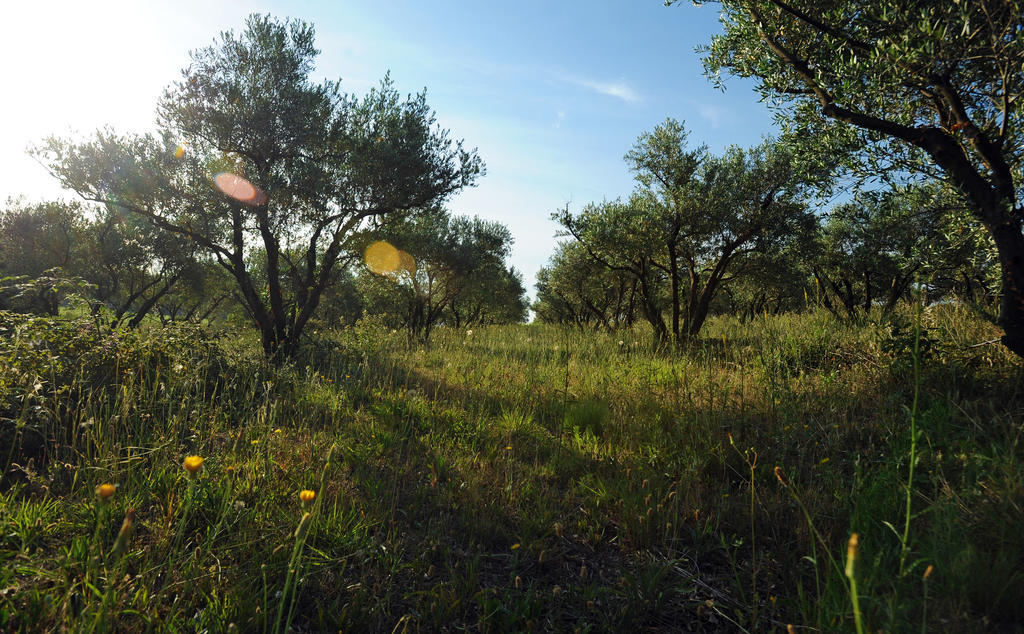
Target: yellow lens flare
{"x":382,"y":258}
{"x":179,"y":152}
{"x":406,"y":262}
{"x":239,"y":188}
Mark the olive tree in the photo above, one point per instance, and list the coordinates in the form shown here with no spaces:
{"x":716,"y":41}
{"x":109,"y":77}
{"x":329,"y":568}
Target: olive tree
{"x":693,"y":221}
{"x":436,"y":268}
{"x":900,"y":89}
{"x":251,"y":152}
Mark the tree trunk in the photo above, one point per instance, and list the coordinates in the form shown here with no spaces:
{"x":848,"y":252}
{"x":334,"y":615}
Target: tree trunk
{"x":673,"y":267}
{"x":1010,"y":243}
{"x":652,"y":312}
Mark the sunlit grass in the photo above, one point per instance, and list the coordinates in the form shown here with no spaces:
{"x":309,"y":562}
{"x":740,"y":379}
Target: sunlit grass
{"x":516,"y":478}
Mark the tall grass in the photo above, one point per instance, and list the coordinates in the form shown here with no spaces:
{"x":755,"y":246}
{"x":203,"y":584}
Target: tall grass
{"x":515,"y":478}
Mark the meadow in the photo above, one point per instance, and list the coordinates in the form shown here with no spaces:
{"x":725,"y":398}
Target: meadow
{"x":514,"y":478}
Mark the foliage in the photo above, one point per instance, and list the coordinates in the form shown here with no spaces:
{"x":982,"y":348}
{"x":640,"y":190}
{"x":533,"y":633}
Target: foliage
{"x":873,"y":247}
{"x":899,"y":90}
{"x":693,"y":221}
{"x":133,"y":265}
{"x":299,"y":167}
{"x":36,"y":241}
{"x":573,"y":288}
{"x":446,"y":269}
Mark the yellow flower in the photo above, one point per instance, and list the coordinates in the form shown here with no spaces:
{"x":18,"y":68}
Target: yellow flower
{"x":105,"y":491}
{"x":193,"y":464}
{"x":307,"y":496}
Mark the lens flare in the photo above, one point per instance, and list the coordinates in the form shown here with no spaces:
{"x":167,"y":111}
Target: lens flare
{"x":406,"y":262}
{"x":382,"y":258}
{"x":239,"y":188}
{"x":179,"y":152}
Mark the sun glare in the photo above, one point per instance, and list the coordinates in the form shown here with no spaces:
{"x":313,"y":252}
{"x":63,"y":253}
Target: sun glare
{"x":382,"y":258}
{"x":239,"y":188}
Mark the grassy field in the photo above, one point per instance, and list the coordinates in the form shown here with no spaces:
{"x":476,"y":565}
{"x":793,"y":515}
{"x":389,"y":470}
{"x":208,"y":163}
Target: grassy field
{"x":516,"y":478}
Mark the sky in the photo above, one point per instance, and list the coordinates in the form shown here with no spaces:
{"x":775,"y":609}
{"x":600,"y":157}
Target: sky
{"x":552,"y":94}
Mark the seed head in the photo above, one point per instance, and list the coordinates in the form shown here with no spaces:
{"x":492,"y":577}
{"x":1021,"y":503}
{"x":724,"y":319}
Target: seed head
{"x":852,"y":550}
{"x":779,"y":475}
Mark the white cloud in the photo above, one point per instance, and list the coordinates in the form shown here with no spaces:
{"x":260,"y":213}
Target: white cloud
{"x":617,"y":89}
{"x":713,"y":114}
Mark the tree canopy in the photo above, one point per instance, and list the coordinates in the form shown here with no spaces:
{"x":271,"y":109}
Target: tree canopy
{"x":900,"y":89}
{"x":435,"y":268}
{"x":251,"y":153}
{"x":692,"y":221}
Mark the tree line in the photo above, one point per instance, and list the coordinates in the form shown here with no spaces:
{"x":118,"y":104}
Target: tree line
{"x":125,"y":271}
{"x":277,"y":182}
{"x":258,"y":193}
{"x":917,"y":103}
{"x":746,"y":232}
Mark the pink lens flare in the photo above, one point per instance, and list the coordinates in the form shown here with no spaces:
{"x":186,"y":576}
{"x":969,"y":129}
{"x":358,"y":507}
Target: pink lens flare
{"x":240,"y":189}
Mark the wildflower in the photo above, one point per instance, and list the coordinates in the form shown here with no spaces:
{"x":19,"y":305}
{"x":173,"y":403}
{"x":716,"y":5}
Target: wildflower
{"x":621,"y":342}
{"x":105,"y":491}
{"x":469,"y":333}
{"x":277,"y":431}
{"x":307,"y":496}
{"x":193,"y":464}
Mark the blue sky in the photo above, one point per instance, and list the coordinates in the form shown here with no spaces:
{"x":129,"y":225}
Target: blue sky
{"x":551,"y":93}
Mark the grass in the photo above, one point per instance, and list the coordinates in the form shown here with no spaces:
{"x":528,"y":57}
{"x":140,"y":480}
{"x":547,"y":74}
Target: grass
{"x":518,"y":478}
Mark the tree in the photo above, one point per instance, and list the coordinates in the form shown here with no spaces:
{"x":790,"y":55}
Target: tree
{"x":132,"y":265}
{"x":204,"y":292}
{"x":872,"y":247}
{"x":775,"y":281}
{"x":667,"y":175}
{"x":575,"y":289}
{"x":37,"y":241}
{"x":251,"y":153}
{"x":618,"y":236}
{"x":900,"y":89}
{"x":694,"y":220}
{"x":433,"y":266}
{"x":494,"y":296}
